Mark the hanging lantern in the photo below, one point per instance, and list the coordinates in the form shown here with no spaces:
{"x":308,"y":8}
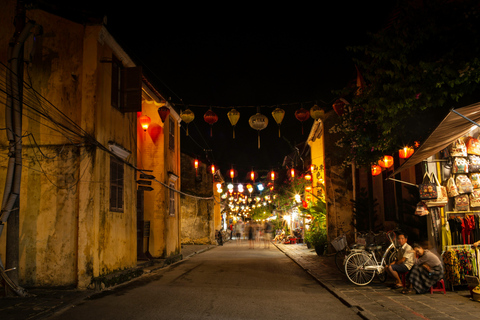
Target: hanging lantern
{"x":302,"y":115}
{"x":163,"y":112}
{"x":233,"y":116}
{"x":210,"y":117}
{"x":258,"y":122}
{"x":253,"y":175}
{"x":308,"y":177}
{"x":376,"y":170}
{"x":195,"y":163}
{"x":187,"y":117}
{"x":308,"y":188}
{"x":273,"y":175}
{"x":144,"y":122}
{"x":339,"y":106}
{"x":232,"y":173}
{"x":213,"y":169}
{"x":292,"y":172}
{"x":386,"y":162}
{"x":316,"y":112}
{"x":278,"y":115}
{"x":405,"y":153}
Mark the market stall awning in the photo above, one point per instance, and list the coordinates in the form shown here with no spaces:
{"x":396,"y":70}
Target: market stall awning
{"x":457,"y":123}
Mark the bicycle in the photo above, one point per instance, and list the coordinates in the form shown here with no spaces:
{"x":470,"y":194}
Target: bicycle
{"x":343,"y":250}
{"x":361,"y":267}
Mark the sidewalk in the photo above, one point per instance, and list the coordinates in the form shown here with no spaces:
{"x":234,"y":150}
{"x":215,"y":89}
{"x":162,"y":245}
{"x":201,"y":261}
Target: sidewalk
{"x":44,"y":302}
{"x":377,"y":300}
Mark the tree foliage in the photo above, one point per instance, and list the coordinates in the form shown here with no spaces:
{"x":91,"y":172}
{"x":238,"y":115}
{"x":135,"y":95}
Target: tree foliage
{"x":424,"y":62}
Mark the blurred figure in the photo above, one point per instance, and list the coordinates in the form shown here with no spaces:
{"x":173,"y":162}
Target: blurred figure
{"x":267,"y":234}
{"x":251,"y":235}
{"x":239,"y":230}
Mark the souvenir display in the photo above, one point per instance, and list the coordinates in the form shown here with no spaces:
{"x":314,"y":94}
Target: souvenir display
{"x":475,"y":198}
{"x":422,"y":209}
{"x":473,"y":146}
{"x":458,"y":149}
{"x":452,"y":190}
{"x":464,"y":185}
{"x":442,"y":197}
{"x":462,"y":202}
{"x":473,"y":163}
{"x":475,"y":179}
{"x":428,"y":188}
{"x":460,"y":165}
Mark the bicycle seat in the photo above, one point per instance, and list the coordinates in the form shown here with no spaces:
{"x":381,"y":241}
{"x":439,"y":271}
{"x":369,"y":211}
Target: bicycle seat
{"x":373,"y":247}
{"x":357,"y":246}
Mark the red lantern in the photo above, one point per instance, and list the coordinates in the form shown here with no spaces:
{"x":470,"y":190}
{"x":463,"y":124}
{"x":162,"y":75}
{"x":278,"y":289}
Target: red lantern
{"x":163,"y":112}
{"x":272,"y":175}
{"x":144,"y":122}
{"x":308,"y":177}
{"x":405,"y":153}
{"x":292,"y":173}
{"x":253,"y":175}
{"x":195,"y":163}
{"x":213,"y":169}
{"x":376,"y":170}
{"x":339,"y":106}
{"x":210,"y":117}
{"x":302,"y":115}
{"x":308,"y":188}
{"x":386,"y":162}
{"x":232,"y":173}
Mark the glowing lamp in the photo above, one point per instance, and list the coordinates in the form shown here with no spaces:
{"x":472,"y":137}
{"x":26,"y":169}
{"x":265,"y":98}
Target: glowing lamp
{"x":272,"y":175}
{"x":386,"y":162}
{"x":376,"y":170}
{"x":405,"y":153}
{"x":213,"y":169}
{"x":253,"y":175}
{"x":292,"y":173}
{"x":232,"y":173}
{"x":260,"y":187}
{"x":308,"y":188}
{"x":144,"y":122}
{"x":308,"y":177}
{"x":195,"y":163}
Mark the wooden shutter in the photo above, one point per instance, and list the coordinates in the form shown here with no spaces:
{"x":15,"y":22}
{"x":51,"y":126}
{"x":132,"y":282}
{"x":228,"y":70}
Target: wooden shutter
{"x":132,"y":89}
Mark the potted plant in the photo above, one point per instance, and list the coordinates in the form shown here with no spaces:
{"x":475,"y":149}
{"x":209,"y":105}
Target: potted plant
{"x":316,"y":235}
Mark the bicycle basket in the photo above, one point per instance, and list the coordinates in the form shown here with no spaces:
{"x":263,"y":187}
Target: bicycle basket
{"x":339,"y":243}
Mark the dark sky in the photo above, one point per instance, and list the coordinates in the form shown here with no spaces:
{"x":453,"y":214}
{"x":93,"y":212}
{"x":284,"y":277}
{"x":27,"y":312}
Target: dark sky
{"x":238,"y":54}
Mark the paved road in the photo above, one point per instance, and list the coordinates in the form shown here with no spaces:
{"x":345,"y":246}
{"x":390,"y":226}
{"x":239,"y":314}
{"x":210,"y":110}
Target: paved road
{"x":229,"y":282}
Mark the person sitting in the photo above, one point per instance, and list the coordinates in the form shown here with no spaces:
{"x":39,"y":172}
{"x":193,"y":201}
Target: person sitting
{"x":426,"y":272}
{"x":279,"y":236}
{"x":404,"y":262}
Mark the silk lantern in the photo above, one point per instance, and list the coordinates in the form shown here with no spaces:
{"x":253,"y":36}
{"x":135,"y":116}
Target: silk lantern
{"x":278,"y":115}
{"x":316,"y":112}
{"x":144,"y":122}
{"x":187,"y":117}
{"x":376,"y":170}
{"x":302,"y":115}
{"x":163,"y":112}
{"x":258,"y":122}
{"x":253,"y":175}
{"x":386,"y":161}
{"x":405,"y":153}
{"x":210,"y":117}
{"x":339,"y":106}
{"x":233,"y":115}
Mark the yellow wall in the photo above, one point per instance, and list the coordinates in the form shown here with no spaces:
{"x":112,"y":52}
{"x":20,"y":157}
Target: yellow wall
{"x":67,"y":233}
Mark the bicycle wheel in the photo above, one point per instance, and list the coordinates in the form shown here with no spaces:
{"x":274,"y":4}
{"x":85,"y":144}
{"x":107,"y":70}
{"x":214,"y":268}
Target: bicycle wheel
{"x":340,"y":260}
{"x":355,"y":268}
{"x":382,"y":277}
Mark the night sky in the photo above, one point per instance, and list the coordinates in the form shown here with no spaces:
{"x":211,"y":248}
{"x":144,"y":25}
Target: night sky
{"x":238,"y":55}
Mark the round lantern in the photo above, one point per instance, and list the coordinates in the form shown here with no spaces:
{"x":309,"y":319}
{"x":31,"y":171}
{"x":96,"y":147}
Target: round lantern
{"x":252,"y":175}
{"x":258,"y":122}
{"x":187,"y":117}
{"x":339,"y":106}
{"x":278,"y":115}
{"x":386,"y":162}
{"x":292,"y":172}
{"x":233,"y":116}
{"x":376,"y":170}
{"x":232,"y":173}
{"x":308,"y":177}
{"x":213,"y":169}
{"x":405,"y":153}
{"x":163,"y":112}
{"x":302,"y":115}
{"x":273,"y":175}
{"x":144,"y":122}
{"x":210,"y":117}
{"x":316,"y":112}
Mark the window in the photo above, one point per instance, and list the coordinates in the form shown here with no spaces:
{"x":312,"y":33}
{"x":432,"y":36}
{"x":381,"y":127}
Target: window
{"x":126,"y":94}
{"x":171,"y":134}
{"x":171,"y":208}
{"x":116,"y":185}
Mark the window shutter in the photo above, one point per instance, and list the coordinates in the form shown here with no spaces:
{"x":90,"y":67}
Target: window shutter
{"x":116,"y":65}
{"x":132,"y":89}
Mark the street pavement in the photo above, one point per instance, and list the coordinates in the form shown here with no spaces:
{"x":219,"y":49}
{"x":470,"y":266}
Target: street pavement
{"x":374,"y":301}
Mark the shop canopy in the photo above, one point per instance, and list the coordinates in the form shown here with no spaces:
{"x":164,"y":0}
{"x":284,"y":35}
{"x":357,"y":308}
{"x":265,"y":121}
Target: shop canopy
{"x":456,"y":124}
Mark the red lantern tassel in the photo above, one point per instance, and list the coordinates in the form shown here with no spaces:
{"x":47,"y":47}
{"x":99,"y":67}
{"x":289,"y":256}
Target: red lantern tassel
{"x":258,"y":139}
{"x":233,"y":132}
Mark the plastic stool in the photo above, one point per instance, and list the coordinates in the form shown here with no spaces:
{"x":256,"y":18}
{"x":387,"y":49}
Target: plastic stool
{"x":440,"y":286}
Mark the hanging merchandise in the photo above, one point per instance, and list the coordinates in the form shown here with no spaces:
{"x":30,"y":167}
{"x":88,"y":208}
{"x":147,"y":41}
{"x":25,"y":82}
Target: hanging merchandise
{"x":210,"y":117}
{"x":302,"y":115}
{"x":422,"y":209}
{"x":163,"y":112}
{"x":475,"y":198}
{"x":187,"y":117}
{"x":473,"y":146}
{"x":458,"y":148}
{"x":462,"y":202}
{"x":278,"y":115}
{"x":452,"y":189}
{"x":473,"y":163}
{"x":428,"y":188}
{"x":442,"y":197}
{"x":258,"y":122}
{"x":233,"y":115}
{"x":316,"y":112}
{"x":460,"y":165}
{"x":475,"y":179}
{"x":464,"y":185}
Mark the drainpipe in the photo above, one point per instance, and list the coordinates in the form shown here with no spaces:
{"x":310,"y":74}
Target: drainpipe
{"x":13,"y":113}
